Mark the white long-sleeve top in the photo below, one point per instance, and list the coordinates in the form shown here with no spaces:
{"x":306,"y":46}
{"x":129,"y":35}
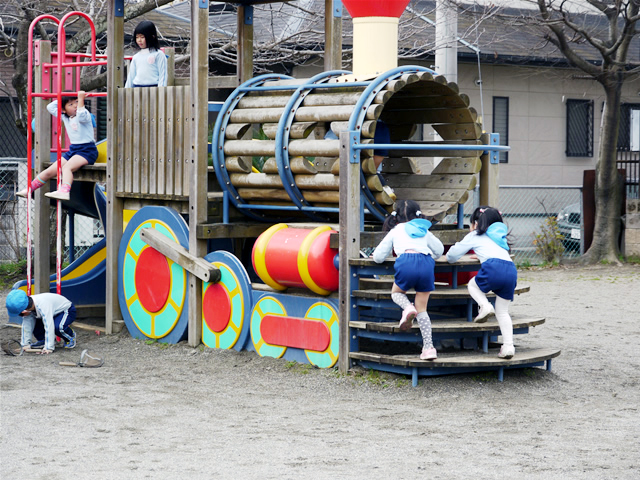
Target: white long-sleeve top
{"x":48,"y":305}
{"x":148,"y":67}
{"x":483,"y":247}
{"x":78,"y":128}
{"x":400,"y":241}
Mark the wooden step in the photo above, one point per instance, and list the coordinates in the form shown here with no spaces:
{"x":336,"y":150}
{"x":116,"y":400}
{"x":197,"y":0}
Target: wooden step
{"x":458,"y":362}
{"x":462,"y":358}
{"x":438,"y":293}
{"x":464,"y":261}
{"x":446,"y":325}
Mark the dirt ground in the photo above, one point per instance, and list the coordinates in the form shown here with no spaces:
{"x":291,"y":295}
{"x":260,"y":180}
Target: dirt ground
{"x":165,"y":412}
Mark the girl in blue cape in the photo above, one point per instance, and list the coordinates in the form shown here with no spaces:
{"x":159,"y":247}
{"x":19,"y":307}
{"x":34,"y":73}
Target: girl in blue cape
{"x":416,"y":248}
{"x":488,"y":240}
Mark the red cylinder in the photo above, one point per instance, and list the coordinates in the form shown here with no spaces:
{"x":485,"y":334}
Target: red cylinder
{"x":296,"y":257}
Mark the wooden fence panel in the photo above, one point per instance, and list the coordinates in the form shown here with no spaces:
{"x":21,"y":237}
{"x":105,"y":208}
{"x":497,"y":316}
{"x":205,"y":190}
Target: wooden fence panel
{"x":136,"y":140}
{"x":153,"y":139}
{"x":179,"y":139}
{"x":154,"y":151}
{"x":161,"y":140}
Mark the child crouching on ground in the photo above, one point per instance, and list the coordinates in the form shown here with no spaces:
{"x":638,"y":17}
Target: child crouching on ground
{"x":44,"y":316}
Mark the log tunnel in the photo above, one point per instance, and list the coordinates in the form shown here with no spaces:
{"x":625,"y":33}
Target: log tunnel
{"x":301,"y":171}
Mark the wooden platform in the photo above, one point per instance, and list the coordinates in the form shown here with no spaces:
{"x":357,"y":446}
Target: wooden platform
{"x":458,"y":362}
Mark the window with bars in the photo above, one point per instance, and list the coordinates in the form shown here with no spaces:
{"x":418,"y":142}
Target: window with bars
{"x":579,"y":128}
{"x":13,"y":143}
{"x":629,"y":131}
{"x":501,"y":123}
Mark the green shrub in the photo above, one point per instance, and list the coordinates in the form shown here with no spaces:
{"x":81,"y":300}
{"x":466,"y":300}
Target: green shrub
{"x":548,"y":241}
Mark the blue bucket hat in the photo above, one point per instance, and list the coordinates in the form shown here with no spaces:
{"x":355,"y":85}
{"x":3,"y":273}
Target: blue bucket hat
{"x":17,"y":301}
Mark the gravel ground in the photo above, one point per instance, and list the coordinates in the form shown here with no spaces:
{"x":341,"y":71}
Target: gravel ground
{"x":164,"y":412}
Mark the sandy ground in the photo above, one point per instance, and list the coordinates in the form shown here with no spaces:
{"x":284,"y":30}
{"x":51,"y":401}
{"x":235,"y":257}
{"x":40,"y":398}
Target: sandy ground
{"x":164,"y":412}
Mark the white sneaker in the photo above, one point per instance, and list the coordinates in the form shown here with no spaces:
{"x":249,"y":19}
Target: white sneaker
{"x":58,"y":195}
{"x":484,"y":313}
{"x":22,"y":193}
{"x":507,"y":351}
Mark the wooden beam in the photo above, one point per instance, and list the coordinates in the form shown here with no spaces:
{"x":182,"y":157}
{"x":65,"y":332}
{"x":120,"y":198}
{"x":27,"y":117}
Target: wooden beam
{"x":489,"y":180}
{"x":350,"y":210}
{"x":245,"y":43}
{"x":115,"y":82}
{"x":197,"y":266}
{"x":197,"y":109}
{"x":332,"y":35}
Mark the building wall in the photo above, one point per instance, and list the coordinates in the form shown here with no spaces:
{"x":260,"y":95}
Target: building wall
{"x":537,"y":118}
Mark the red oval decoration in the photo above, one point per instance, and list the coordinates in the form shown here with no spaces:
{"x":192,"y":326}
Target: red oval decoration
{"x":152,"y":279}
{"x":295,"y":332}
{"x":216,"y":308}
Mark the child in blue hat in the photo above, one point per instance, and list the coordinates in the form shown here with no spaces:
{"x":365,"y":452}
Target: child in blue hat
{"x":44,"y":316}
{"x":498,"y":273}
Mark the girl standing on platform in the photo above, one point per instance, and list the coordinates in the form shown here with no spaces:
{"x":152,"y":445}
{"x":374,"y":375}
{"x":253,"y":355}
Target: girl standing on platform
{"x":416,"y":248}
{"x":488,"y":240}
{"x":149,"y":66}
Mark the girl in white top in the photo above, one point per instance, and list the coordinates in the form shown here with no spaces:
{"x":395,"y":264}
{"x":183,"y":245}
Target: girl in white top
{"x":488,"y":240}
{"x":416,"y":248}
{"x":149,"y":66}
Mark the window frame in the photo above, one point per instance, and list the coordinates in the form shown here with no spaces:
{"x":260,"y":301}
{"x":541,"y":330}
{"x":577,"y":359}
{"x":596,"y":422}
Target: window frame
{"x":504,"y":136}
{"x":572,"y":125}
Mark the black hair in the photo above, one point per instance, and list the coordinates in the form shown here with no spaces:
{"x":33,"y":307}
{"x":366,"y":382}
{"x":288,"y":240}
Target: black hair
{"x":148,"y":29}
{"x":405,"y":211}
{"x":30,"y":304}
{"x":65,"y":100}
{"x":485,"y":216}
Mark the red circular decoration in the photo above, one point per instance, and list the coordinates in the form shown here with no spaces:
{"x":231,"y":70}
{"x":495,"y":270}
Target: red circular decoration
{"x":152,"y":279}
{"x":216,"y":308}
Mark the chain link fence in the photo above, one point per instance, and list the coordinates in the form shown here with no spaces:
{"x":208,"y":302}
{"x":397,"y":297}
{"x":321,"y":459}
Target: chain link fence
{"x":13,"y":219}
{"x":526,"y":209}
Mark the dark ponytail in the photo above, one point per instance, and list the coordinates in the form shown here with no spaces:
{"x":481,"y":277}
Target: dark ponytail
{"x":405,"y":211}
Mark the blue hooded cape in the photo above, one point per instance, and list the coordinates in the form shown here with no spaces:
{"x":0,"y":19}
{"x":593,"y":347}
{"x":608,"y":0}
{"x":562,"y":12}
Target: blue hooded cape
{"x":498,"y":233}
{"x":418,"y":227}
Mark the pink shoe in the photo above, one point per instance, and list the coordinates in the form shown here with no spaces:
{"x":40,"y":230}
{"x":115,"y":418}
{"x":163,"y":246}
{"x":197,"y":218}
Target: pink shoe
{"x":428,"y":354}
{"x":408,"y":314}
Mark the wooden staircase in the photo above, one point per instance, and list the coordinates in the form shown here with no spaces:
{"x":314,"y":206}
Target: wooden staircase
{"x":378,"y":343}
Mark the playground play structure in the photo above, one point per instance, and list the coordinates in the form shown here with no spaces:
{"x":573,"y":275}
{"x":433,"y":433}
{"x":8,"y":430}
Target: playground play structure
{"x":270,"y":261}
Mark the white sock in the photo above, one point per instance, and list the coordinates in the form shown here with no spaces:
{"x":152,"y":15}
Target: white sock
{"x":504,"y":320}
{"x":424,"y":322}
{"x":478,"y":295}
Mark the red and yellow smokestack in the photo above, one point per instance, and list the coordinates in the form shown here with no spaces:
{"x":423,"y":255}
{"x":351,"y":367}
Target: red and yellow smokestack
{"x":375,"y":34}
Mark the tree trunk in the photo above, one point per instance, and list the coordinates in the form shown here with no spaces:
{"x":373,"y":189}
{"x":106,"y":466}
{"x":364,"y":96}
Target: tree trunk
{"x":608,"y":194}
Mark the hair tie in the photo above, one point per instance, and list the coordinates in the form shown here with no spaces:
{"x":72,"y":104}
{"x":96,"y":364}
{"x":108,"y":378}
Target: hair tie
{"x":394,"y":213}
{"x":418,"y":213}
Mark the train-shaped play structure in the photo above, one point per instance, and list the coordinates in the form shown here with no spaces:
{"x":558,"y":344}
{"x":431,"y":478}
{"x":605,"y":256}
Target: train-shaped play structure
{"x":268,"y":259}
